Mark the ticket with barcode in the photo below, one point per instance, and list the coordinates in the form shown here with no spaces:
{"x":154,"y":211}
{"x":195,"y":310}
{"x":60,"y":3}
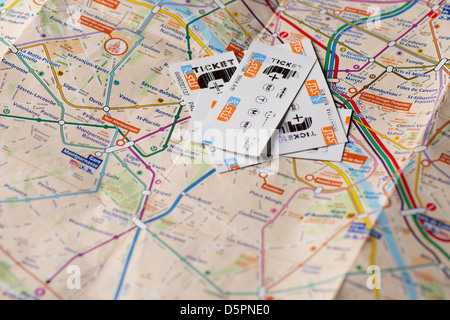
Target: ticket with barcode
{"x":209,"y":74}
{"x":256,"y":99}
{"x":329,"y":153}
{"x":312,"y":120}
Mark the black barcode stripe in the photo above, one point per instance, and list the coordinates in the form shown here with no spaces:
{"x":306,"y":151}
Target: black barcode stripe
{"x":288,"y":127}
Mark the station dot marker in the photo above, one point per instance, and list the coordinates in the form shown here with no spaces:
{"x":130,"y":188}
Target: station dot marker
{"x":61,"y":122}
{"x":389,"y":69}
{"x":98,"y":154}
{"x":39,"y":292}
{"x":425,"y":163}
{"x":318,"y":190}
{"x":106,"y":109}
{"x":323,"y":11}
{"x":371,"y":60}
{"x":274,"y":35}
{"x":3,"y":11}
{"x":392,"y":43}
{"x":146,"y":192}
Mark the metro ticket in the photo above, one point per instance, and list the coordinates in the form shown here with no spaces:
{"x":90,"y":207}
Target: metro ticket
{"x":256,"y":100}
{"x":312,"y":120}
{"x":209,"y":74}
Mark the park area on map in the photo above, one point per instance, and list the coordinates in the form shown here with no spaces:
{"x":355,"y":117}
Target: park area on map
{"x":106,"y":191}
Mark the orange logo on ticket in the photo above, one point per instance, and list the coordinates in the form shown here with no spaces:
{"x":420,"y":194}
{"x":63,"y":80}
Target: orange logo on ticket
{"x":313,"y":88}
{"x":329,"y":135}
{"x":297,"y":47}
{"x":255,"y":65}
{"x":229,"y":109}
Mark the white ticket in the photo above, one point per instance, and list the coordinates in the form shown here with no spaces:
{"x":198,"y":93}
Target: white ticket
{"x":312,"y":120}
{"x":256,"y":99}
{"x":209,"y":74}
{"x":224,"y":160}
{"x":329,"y":153}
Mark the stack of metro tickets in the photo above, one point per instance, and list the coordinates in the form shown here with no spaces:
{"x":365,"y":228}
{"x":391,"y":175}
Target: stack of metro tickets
{"x":276,"y":103}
